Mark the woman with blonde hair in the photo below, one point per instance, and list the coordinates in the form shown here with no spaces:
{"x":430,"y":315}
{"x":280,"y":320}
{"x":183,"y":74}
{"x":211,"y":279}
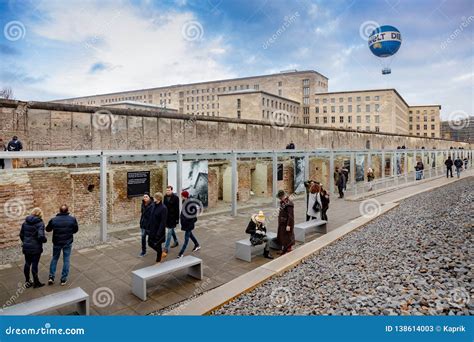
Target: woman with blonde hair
{"x":32,"y":237}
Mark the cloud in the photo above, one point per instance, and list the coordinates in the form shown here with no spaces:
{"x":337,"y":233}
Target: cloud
{"x":8,"y":50}
{"x":146,"y":43}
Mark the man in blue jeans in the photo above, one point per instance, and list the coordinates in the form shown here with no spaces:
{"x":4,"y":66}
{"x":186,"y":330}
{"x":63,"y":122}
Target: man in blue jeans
{"x":63,"y":226}
{"x":171,"y":201}
{"x":188,"y":218}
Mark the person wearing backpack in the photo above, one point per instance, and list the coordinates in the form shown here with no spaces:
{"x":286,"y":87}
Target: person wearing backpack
{"x":258,"y":233}
{"x":458,"y":163}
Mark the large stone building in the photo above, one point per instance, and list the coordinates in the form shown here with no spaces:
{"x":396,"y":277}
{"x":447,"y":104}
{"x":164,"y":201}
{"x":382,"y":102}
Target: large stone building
{"x":424,"y":121}
{"x":291,"y":97}
{"x":462,"y":130}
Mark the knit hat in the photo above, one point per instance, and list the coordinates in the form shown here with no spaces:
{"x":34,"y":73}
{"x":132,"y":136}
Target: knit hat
{"x":260,"y":217}
{"x":185,"y":194}
{"x":280,"y":193}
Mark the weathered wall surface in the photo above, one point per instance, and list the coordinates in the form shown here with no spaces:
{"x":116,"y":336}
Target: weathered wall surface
{"x":53,"y":126}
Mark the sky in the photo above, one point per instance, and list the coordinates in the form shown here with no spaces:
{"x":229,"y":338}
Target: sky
{"x":59,"y":49}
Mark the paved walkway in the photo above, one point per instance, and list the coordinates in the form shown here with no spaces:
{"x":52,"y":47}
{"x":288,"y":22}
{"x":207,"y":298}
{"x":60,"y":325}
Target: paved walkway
{"x":105,"y":270}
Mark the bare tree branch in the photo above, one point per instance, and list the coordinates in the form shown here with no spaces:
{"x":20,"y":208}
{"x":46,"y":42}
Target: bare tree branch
{"x":6,"y":93}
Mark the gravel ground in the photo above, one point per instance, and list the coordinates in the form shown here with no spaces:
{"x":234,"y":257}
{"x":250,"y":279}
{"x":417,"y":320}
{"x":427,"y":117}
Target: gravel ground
{"x":415,"y":260}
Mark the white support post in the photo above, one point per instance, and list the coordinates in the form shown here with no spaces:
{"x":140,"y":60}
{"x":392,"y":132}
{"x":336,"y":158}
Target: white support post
{"x":234,"y":183}
{"x":382,"y":167}
{"x":274,"y":178}
{"x":331,"y":173}
{"x":179,"y":177}
{"x":103,"y":198}
{"x":405,"y":165}
{"x":352,"y":171}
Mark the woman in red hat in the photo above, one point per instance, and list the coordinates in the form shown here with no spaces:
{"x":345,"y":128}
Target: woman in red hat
{"x":188,"y":217}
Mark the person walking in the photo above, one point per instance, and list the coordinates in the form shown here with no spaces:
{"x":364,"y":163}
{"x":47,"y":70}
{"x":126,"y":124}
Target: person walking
{"x":32,"y":237}
{"x":188,"y":219}
{"x":315,"y":205}
{"x":63,"y":226}
{"x":258,"y":233}
{"x":145,"y":219}
{"x":157,"y":226}
{"x":419,"y":170}
{"x":308,"y":185}
{"x":449,"y":167}
{"x":458,"y":163}
{"x":171,"y":202}
{"x":370,"y":177}
{"x":346,"y":177}
{"x":15,"y":145}
{"x":286,"y":223}
{"x":341,"y":183}
{"x":3,"y":148}
{"x":325,"y":203}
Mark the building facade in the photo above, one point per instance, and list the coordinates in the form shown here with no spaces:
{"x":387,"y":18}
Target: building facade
{"x":424,"y":121}
{"x":458,"y":131}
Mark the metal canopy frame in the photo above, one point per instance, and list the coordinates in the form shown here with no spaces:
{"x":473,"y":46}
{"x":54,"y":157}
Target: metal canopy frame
{"x":104,"y":158}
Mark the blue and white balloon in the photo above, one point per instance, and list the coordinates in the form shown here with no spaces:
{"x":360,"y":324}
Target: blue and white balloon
{"x":385,"y":41}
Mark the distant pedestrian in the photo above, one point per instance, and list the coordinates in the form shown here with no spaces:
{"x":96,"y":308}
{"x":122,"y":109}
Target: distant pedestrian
{"x":315,"y":205}
{"x":188,"y":218}
{"x":258,"y":233}
{"x":341,"y":183}
{"x":346,"y":177}
{"x":419,"y":170}
{"x":449,"y":167}
{"x":157,"y":230}
{"x":15,"y":145}
{"x":32,"y":237}
{"x":63,"y":226}
{"x":3,"y":148}
{"x":290,"y":146}
{"x":145,"y":220}
{"x":308,"y":184}
{"x":171,"y":201}
{"x":325,"y":203}
{"x":466,"y":162}
{"x":458,"y":163}
{"x":370,"y":177}
{"x":286,"y":223}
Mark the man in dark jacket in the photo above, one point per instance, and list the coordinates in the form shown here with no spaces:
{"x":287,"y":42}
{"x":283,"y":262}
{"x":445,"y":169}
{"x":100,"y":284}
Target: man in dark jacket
{"x":63,"y":226}
{"x":171,"y":202}
{"x":32,"y":237}
{"x":449,"y":167}
{"x":157,"y":230}
{"x":341,"y":183}
{"x":147,"y":208}
{"x":286,"y":223}
{"x":15,"y":145}
{"x":188,"y":218}
{"x":458,"y":163}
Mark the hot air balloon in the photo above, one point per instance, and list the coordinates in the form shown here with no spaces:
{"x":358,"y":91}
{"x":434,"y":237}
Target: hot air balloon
{"x":384,"y":42}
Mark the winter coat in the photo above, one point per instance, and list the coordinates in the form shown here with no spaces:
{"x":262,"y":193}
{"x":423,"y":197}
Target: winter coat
{"x":286,"y":218}
{"x":63,"y":226}
{"x":458,"y":163}
{"x":15,"y":146}
{"x":449,"y":163}
{"x":158,"y":221}
{"x":325,"y":199}
{"x":370,"y":176}
{"x":257,"y":231}
{"x":32,"y":235}
{"x":146,"y":215}
{"x":341,"y":180}
{"x":172,"y":204}
{"x":188,"y":217}
{"x":312,"y":199}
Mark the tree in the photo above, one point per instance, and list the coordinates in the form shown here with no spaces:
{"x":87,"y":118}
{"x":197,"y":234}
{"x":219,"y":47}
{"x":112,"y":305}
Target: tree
{"x":6,"y":93}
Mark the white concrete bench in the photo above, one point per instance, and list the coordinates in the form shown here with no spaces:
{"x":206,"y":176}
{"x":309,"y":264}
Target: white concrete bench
{"x":141,"y":276}
{"x":51,"y":302}
{"x":244,"y":249}
{"x":318,"y":226}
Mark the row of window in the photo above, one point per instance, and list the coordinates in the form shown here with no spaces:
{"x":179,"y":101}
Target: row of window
{"x":202,"y":97}
{"x":368,"y":107}
{"x":221,"y":89}
{"x":203,"y":106}
{"x":349,"y":99}
{"x":425,"y":118}
{"x":425,"y":112}
{"x":425,"y":127}
{"x":368,"y":119}
{"x":279,"y":105}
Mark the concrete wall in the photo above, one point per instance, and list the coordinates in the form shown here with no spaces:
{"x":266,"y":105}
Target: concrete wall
{"x":52,"y":126}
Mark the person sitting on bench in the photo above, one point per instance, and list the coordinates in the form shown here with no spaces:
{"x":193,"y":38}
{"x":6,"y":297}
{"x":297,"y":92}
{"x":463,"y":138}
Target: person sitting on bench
{"x":258,"y":233}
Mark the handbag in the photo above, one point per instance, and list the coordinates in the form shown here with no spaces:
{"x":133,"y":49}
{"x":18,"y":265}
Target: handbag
{"x":316,"y":206}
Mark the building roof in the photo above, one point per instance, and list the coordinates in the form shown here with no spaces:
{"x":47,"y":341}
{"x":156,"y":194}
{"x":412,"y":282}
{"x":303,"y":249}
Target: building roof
{"x":196,"y":83}
{"x":431,"y":105}
{"x":366,"y":90}
{"x":253,"y":91}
